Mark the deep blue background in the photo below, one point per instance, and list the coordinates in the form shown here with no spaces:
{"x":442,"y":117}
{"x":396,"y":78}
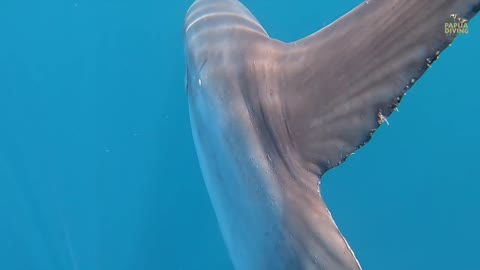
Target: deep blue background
{"x":98,"y":169}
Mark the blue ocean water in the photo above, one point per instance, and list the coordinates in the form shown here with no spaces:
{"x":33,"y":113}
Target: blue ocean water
{"x":98,"y":168}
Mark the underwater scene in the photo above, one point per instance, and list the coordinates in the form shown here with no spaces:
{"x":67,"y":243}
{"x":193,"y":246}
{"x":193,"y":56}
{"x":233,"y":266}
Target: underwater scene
{"x":99,"y":170}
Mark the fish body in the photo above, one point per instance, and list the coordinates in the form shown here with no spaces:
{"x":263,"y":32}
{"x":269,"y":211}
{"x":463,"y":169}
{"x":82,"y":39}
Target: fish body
{"x":270,"y":118}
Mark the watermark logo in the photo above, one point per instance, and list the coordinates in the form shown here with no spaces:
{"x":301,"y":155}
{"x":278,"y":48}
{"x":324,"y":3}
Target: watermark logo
{"x":457,"y":26}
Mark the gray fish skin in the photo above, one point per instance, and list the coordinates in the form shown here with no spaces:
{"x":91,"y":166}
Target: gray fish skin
{"x":270,"y":118}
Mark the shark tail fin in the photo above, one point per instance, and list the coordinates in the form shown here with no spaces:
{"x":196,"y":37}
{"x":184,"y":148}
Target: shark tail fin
{"x":346,"y":79}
